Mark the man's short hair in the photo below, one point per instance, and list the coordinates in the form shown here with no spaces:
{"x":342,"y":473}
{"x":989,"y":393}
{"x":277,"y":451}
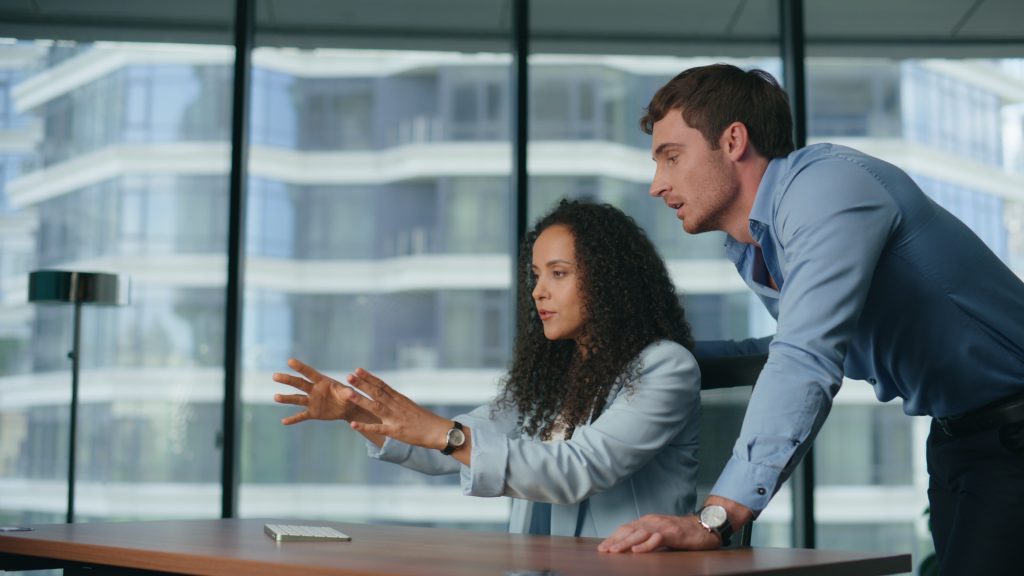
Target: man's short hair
{"x":712,"y":97}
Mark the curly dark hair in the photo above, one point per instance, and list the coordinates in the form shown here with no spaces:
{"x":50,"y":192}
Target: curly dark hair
{"x":629,"y":301}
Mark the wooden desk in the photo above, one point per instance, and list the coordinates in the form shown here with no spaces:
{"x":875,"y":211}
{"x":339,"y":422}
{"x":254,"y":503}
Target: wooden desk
{"x":234,"y":547}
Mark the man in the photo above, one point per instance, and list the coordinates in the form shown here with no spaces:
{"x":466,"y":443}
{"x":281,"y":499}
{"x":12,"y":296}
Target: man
{"x":868,"y":278}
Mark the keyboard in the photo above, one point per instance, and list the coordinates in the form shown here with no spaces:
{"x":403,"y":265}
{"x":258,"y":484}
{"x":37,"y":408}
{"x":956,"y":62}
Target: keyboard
{"x":294,"y":533}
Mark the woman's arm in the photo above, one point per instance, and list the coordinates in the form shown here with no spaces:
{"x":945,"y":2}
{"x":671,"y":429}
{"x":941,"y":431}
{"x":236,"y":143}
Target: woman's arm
{"x":633,"y":429}
{"x":328,"y":399}
{"x":430,"y":460}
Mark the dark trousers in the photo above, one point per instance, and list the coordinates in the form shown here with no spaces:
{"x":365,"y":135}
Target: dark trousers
{"x":976,"y":491}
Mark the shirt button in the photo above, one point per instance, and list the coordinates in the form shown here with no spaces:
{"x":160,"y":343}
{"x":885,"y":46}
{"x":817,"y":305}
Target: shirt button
{"x":761,"y":491}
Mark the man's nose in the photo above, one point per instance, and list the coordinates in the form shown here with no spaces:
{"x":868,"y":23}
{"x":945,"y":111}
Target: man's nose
{"x":658,"y":185}
{"x":657,"y":189}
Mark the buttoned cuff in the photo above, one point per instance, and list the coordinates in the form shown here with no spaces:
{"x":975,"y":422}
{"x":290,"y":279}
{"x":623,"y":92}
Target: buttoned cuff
{"x":489,"y":460}
{"x":391,"y":451}
{"x":749,"y":484}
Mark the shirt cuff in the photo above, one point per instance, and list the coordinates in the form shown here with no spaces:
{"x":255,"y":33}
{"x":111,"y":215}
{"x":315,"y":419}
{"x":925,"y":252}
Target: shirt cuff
{"x":749,"y":484}
{"x":489,"y":460}
{"x":391,"y":451}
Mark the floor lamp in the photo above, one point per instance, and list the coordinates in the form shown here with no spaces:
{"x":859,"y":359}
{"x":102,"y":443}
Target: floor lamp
{"x":78,"y":288}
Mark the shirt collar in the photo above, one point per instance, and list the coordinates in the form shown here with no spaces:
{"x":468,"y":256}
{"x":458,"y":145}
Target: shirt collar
{"x":760,"y":211}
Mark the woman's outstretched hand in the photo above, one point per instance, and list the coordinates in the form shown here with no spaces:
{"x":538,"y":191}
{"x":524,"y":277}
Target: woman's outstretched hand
{"x":399,"y":417}
{"x":324,"y":398}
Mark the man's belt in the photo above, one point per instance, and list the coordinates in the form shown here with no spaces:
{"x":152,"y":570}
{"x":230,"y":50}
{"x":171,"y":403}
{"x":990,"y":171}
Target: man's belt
{"x":988,"y":417}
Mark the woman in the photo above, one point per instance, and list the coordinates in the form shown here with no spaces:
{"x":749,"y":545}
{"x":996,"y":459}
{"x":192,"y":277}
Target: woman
{"x":597,"y":421}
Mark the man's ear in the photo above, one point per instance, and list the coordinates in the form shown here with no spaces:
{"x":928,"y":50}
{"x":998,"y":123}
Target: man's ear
{"x":735,"y":140}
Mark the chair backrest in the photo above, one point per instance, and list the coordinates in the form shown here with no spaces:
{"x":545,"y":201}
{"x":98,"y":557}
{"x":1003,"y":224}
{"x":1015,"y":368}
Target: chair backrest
{"x":726,"y":383}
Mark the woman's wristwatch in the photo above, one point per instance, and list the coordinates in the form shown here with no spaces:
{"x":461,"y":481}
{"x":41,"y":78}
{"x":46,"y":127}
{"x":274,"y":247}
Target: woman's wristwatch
{"x":455,"y":438}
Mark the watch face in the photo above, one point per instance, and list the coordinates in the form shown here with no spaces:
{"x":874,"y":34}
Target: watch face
{"x":456,"y":437}
{"x":714,"y":516}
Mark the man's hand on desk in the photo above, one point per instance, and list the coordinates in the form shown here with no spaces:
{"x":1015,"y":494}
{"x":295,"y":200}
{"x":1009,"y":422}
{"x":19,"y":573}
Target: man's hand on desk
{"x":658,"y":532}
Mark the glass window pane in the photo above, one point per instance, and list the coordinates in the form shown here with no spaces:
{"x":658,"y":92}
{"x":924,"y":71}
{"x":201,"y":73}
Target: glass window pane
{"x":120,"y":165}
{"x":378,"y":237}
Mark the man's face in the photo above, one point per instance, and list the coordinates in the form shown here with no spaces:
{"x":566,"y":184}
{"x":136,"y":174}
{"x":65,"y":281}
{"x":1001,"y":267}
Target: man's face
{"x":698,"y":183}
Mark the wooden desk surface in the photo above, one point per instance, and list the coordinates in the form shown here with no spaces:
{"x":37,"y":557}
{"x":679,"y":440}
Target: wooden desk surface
{"x":232,"y":547}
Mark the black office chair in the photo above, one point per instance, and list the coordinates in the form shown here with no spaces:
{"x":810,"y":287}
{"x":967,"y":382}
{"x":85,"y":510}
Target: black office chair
{"x":726,"y":384}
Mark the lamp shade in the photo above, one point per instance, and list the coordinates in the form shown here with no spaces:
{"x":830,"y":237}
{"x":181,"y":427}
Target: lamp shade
{"x":64,"y":286}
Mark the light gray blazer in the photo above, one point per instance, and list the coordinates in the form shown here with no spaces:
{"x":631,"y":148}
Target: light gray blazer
{"x":638,"y":457}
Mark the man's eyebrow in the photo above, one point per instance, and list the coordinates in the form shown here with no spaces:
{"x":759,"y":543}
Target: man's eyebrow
{"x":660,"y":149}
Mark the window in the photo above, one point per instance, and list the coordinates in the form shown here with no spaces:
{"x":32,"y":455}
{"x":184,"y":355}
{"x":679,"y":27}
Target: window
{"x":378,"y":238}
{"x":945,"y":121}
{"x":97,"y":188}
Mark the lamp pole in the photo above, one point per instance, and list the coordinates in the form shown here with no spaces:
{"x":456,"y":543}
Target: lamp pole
{"x":73,"y":424}
{"x":77,"y":288}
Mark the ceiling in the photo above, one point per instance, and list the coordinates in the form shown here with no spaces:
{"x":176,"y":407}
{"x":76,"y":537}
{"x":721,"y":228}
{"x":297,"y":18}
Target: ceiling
{"x":675,"y":27}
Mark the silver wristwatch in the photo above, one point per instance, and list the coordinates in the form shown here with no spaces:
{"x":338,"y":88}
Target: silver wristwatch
{"x":455,"y":438}
{"x":715,"y":519}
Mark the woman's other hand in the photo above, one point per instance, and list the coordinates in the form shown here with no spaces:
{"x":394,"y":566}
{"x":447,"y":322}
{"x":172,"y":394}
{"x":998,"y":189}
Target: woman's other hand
{"x":325,"y":398}
{"x":401,"y":418}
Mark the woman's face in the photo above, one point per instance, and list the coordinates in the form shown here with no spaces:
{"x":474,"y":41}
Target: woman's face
{"x":557,"y":292}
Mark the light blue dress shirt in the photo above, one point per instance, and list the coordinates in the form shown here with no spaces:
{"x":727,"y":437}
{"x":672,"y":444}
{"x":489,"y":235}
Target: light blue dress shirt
{"x":877,"y":283}
{"x":638,"y":457}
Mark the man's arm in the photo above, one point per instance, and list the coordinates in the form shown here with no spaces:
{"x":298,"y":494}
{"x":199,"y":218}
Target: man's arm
{"x":833,"y":223}
{"x":724,"y":349}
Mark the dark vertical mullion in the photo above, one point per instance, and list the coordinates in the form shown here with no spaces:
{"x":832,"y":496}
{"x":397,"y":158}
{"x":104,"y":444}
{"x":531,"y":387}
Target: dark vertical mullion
{"x":520,"y":134}
{"x":230,"y":438}
{"x":793,"y":66}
